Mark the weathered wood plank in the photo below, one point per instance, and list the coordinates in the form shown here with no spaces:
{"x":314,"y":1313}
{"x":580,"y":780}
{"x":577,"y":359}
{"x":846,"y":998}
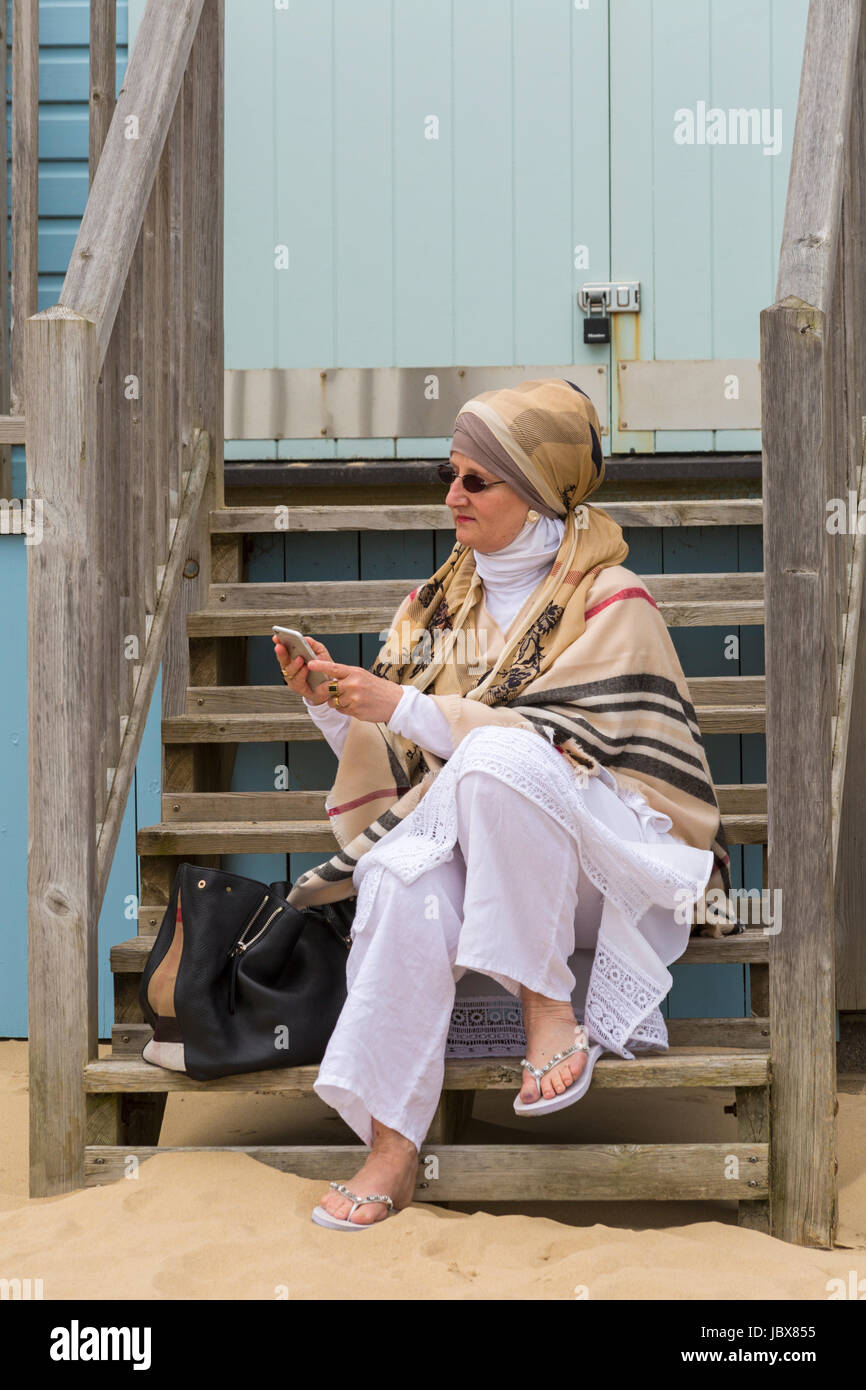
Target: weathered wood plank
{"x":286,"y":806}
{"x":302,"y":836}
{"x":749,"y":946}
{"x":13,"y":430}
{"x":103,"y":76}
{"x":114,"y":214}
{"x":739,"y":511}
{"x":129,"y":1034}
{"x":111,"y":447}
{"x":370,"y":617}
{"x":189,"y":522}
{"x":201,"y":201}
{"x":505,"y":1172}
{"x":63,"y":910}
{"x":719,"y":1067}
{"x":801,"y":678}
{"x":745,"y":693}
{"x":333,"y":594}
{"x":753,"y":1127}
{"x":811,"y":229}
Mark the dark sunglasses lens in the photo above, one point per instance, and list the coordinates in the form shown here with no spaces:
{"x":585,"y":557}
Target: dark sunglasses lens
{"x":471,"y":481}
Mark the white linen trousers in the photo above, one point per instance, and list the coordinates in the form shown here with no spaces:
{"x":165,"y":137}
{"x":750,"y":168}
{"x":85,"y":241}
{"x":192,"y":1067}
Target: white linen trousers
{"x":512,"y":870}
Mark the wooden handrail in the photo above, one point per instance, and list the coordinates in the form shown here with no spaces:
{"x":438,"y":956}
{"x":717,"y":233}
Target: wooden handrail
{"x":124,"y":417}
{"x":112,"y":221}
{"x":810,"y":234}
{"x":813,"y":353}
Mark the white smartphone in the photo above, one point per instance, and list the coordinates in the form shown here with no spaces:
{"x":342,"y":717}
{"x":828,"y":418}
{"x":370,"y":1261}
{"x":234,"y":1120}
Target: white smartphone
{"x":296,"y":644}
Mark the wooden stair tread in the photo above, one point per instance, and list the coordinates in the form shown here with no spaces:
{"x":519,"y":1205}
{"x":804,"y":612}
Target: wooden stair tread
{"x":297,"y":836}
{"x":684,"y":1066}
{"x":375,"y":618}
{"x":707,"y":692}
{"x":729,"y":511}
{"x":750,"y":946}
{"x":751,"y":1034}
{"x":334,"y":594}
{"x":275,"y":725}
{"x":288,"y":806}
{"x":368,"y":605}
{"x":237,"y":837}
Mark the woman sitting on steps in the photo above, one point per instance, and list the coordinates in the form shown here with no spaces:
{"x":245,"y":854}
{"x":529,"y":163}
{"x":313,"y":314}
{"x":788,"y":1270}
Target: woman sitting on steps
{"x":543,"y":818}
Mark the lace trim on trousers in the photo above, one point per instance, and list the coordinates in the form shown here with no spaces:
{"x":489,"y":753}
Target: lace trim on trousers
{"x":549,"y":780}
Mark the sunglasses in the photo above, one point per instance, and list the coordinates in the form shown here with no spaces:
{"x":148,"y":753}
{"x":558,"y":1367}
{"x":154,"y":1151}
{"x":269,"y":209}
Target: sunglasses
{"x":471,"y":481}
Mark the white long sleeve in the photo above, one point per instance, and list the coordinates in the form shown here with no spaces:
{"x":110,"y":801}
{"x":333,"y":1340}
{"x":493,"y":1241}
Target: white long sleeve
{"x":416,"y":716}
{"x":334,"y":723}
{"x":419,"y":718}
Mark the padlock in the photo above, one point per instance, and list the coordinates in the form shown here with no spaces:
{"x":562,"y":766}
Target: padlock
{"x":596,"y":325}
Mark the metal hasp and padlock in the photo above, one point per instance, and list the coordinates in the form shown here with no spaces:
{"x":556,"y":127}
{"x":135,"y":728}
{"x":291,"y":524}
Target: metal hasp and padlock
{"x":598,"y":302}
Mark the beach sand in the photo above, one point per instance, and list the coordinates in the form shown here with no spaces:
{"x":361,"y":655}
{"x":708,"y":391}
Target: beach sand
{"x":224,"y":1226}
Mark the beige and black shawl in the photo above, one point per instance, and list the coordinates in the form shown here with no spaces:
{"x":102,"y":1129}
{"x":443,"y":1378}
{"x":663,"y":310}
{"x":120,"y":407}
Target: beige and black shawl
{"x":588,"y":662}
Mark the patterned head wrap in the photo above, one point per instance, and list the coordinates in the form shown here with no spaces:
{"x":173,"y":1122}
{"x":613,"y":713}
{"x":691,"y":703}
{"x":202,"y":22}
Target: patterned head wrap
{"x":544,"y":439}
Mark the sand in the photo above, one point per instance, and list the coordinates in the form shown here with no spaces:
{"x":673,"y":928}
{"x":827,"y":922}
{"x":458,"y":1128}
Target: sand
{"x":220,"y":1226}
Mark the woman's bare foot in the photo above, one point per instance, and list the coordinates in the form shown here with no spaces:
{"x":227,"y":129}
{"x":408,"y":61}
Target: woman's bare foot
{"x":391,"y":1168}
{"x":549,"y":1026}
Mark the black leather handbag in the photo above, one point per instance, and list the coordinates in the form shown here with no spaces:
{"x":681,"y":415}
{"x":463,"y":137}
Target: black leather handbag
{"x":239,"y":980}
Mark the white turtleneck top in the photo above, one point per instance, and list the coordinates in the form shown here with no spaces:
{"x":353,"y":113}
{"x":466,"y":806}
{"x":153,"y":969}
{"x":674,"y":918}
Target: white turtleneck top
{"x":508,"y":577}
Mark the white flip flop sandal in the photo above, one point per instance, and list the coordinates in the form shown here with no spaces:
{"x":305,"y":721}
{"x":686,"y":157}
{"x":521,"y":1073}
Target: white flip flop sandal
{"x":345,"y":1223}
{"x":578,"y":1088}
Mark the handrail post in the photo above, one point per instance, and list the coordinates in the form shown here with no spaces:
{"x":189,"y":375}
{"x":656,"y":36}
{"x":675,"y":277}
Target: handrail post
{"x":801,"y":693}
{"x":63,"y":674}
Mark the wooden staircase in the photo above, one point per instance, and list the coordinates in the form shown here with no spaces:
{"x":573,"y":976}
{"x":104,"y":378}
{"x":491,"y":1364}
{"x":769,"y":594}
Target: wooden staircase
{"x":202,"y":821}
{"x":142,"y":571}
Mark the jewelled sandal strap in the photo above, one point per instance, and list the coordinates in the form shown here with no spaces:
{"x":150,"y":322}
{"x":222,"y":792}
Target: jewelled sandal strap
{"x":360,"y":1201}
{"x":580,"y":1046}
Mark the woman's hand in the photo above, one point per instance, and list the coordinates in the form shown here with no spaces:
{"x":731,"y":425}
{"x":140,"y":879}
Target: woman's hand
{"x":298,"y":681}
{"x":362,"y":694}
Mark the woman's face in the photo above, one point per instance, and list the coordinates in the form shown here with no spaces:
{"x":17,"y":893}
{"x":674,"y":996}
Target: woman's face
{"x":486,"y":520}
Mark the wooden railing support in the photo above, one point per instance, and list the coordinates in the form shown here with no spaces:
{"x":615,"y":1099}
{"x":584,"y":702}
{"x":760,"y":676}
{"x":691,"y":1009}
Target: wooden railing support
{"x":63,"y":908}
{"x":813,"y":351}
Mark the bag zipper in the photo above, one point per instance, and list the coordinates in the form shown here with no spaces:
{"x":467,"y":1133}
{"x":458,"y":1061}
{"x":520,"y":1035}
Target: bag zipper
{"x":241,"y":945}
{"x":243,"y":931}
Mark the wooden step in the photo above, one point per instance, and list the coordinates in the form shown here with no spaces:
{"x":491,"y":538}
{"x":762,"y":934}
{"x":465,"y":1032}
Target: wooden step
{"x":187,"y":838}
{"x":753,"y":1034}
{"x":749,"y":947}
{"x":680,"y":1066}
{"x":512,"y":1172}
{"x":743,"y":693}
{"x":368,"y":605}
{"x":748,"y":799}
{"x":728,"y":511}
{"x":724,"y":704}
{"x":276,"y":725}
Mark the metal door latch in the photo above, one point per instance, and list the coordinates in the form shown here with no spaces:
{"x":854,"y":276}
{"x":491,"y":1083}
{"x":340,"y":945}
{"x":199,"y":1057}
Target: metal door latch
{"x":599,"y":301}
